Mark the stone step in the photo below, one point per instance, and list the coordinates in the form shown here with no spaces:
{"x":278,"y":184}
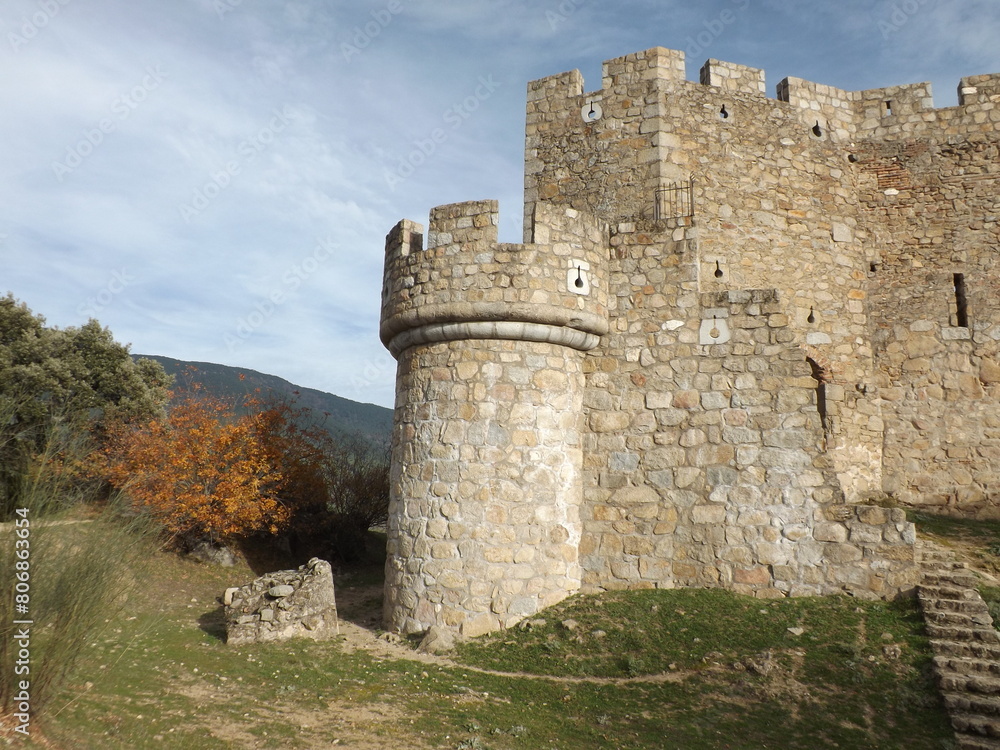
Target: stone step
{"x":937,"y":570}
{"x":927,"y":549}
{"x":965,"y":606}
{"x":934,"y":555}
{"x":971,"y":685}
{"x":967,"y":666}
{"x":970,"y":742}
{"x":942,"y":566}
{"x":965,"y":583}
{"x":946,"y":617}
{"x":987,"y":707}
{"x":954,"y":593}
{"x":966,"y":649}
{"x":974,"y":724}
{"x":957,"y":633}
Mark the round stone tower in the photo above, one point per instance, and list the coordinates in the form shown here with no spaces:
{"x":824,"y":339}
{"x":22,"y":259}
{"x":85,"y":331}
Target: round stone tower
{"x":484,"y":518}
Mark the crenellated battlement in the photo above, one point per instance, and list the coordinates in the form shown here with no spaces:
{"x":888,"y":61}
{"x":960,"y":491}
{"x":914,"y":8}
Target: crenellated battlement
{"x":982,"y":89}
{"x":619,"y":76}
{"x":465,"y":284}
{"x":732,"y":78}
{"x":656,"y":65}
{"x":637,"y":77}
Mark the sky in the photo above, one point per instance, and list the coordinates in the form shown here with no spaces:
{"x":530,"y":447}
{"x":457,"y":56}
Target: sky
{"x":213,"y":180}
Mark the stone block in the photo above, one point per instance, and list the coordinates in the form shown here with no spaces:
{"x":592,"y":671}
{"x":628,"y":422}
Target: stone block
{"x":498,"y":555}
{"x":989,"y":371}
{"x":629,"y":496}
{"x":283,"y":605}
{"x":758,"y":575}
{"x":872,"y":515}
{"x":481,"y":625}
{"x":637,"y":546}
{"x":443,"y":550}
{"x":739,"y":555}
{"x":866,"y":535}
{"x":773,"y":554}
{"x":712,"y":455}
{"x":659,"y":400}
{"x":708,"y":514}
{"x":721,"y":475}
{"x":714,"y":400}
{"x":842,"y":553}
{"x":842,"y":232}
{"x":686,"y":399}
{"x":795,"y":531}
{"x":609,"y":421}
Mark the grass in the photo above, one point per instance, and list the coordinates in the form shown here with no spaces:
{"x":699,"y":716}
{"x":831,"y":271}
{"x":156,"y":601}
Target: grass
{"x":66,"y":567}
{"x":991,"y":595}
{"x":674,"y":669}
{"x":985,"y":533}
{"x":738,"y":671}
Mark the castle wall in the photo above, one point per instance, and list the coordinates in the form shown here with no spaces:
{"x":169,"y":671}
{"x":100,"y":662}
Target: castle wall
{"x":782,"y":199}
{"x":733,"y":320}
{"x":776,"y":208}
{"x":774,"y":204}
{"x":613,"y":164}
{"x":705,"y":460}
{"x":934,"y":207}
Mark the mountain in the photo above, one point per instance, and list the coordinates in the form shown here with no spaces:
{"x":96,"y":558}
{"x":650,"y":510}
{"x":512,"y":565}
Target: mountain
{"x":342,"y":417}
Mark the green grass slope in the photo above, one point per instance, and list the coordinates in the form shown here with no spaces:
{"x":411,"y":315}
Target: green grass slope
{"x":663,"y":670}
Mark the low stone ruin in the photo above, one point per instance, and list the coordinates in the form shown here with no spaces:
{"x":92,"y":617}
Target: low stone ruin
{"x":285,"y":604}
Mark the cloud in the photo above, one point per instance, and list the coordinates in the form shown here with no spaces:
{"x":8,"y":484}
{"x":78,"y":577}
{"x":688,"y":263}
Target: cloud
{"x":277,"y":140}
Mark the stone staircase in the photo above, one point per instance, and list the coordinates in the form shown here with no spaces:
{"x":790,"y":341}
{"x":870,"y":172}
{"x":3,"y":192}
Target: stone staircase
{"x":966,"y":647}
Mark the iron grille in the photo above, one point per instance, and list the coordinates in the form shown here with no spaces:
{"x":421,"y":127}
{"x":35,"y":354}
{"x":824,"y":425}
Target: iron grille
{"x":674,"y":202}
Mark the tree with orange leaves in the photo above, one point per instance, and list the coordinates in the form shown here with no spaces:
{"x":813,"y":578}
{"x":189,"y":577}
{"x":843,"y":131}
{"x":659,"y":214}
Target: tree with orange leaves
{"x":202,"y":472}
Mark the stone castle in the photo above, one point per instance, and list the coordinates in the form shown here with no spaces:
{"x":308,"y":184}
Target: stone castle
{"x":733,"y":323}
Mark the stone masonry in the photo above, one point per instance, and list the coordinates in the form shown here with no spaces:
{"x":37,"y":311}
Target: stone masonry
{"x":732,"y":321}
{"x":281,"y":605}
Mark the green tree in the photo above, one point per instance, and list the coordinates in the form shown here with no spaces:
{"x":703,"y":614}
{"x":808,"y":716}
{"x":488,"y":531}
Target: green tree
{"x":49,"y":374}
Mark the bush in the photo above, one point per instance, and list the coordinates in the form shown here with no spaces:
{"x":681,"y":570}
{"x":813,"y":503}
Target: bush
{"x":333,"y":490}
{"x":201,"y":472}
{"x":73,"y":577}
{"x":207,"y":474}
